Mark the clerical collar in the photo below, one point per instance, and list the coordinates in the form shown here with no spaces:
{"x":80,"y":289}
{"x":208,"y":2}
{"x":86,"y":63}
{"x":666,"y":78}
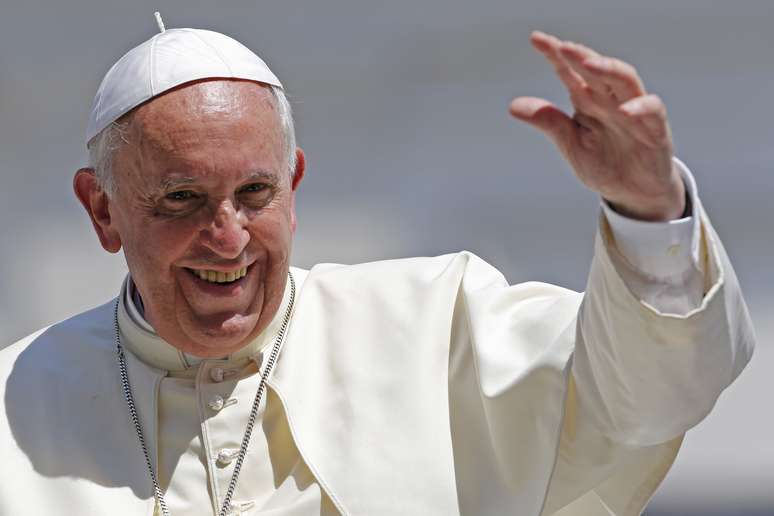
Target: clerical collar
{"x":138,"y":336}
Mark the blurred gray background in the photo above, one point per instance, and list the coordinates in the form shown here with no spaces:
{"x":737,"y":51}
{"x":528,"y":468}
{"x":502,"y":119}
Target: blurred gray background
{"x":401,"y":109}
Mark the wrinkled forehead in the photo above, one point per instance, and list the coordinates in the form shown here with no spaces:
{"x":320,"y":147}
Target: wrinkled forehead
{"x":212,"y":100}
{"x":207,"y":126}
{"x":218,"y":108}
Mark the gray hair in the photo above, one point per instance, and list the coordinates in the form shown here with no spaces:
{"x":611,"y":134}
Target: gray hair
{"x":103,"y":146}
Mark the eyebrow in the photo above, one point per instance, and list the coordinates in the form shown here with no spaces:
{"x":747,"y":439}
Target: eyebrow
{"x":173,"y":182}
{"x":262,"y":175}
{"x":170,"y":183}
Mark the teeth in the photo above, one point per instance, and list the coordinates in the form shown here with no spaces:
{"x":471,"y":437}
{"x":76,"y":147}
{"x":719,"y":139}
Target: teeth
{"x":220,"y":277}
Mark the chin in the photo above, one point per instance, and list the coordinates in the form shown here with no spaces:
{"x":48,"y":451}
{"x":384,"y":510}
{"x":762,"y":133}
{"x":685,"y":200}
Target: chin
{"x":218,"y":340}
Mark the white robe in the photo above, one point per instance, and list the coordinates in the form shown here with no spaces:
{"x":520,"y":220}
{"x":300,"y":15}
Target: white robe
{"x":203,"y":407}
{"x":423,"y":386}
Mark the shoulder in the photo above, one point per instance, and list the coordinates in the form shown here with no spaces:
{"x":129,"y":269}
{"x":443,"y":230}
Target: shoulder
{"x":404,"y":288}
{"x":423,"y":269}
{"x":464,"y":270}
{"x":55,"y":348}
{"x":60,"y":395}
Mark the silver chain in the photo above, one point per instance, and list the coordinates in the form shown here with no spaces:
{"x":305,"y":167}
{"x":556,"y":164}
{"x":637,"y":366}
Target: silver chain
{"x":159,"y":495}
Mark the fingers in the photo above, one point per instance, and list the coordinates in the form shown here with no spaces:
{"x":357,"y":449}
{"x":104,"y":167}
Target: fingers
{"x":575,"y":55}
{"x":610,"y":81}
{"x":621,"y":77}
{"x":549,"y":46}
{"x":547,"y":118}
{"x":646,"y":118}
{"x":607,"y":93}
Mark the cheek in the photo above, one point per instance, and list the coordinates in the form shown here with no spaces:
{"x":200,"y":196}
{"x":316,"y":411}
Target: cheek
{"x":273,"y":235}
{"x":155,"y":247}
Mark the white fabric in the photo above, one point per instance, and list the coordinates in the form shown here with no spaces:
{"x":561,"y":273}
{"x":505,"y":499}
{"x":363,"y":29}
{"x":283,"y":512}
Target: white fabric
{"x":201,"y":416}
{"x":134,"y":307}
{"x":662,"y":250}
{"x":192,"y":433}
{"x":660,"y":262}
{"x":419,"y":386}
{"x":167,"y":60}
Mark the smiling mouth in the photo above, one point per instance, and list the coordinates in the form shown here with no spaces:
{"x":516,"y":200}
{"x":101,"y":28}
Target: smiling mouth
{"x":219,"y":276}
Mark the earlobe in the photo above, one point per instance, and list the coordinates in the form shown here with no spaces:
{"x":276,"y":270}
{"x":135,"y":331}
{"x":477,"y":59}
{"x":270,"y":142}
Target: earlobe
{"x":97,"y":205}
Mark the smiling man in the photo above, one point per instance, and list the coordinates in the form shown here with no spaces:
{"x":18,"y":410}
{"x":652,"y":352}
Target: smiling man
{"x":222,"y":380}
{"x":203,"y":208}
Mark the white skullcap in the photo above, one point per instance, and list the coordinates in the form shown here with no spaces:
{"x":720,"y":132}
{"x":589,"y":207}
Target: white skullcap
{"x":168,"y":59}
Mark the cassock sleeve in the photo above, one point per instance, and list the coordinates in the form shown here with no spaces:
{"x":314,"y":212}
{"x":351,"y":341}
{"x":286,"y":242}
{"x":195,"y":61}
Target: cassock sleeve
{"x":652,"y":354}
{"x":660,"y":262}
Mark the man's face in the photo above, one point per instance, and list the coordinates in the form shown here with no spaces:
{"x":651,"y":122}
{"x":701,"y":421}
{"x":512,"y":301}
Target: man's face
{"x":204,"y":191}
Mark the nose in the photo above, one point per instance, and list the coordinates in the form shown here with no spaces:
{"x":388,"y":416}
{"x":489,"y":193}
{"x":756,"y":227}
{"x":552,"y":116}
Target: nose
{"x":226,"y":234}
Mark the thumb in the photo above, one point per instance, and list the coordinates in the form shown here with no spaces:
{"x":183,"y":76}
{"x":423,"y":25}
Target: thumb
{"x":545,"y":117}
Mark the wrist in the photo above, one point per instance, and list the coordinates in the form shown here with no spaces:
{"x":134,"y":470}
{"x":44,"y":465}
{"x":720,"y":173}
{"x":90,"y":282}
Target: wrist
{"x":671,"y":204}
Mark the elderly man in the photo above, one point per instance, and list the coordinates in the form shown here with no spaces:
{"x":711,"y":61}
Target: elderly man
{"x":223,"y":381}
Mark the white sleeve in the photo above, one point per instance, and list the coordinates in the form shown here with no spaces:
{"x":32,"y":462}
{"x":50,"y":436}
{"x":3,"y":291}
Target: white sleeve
{"x":649,"y":367}
{"x":659,"y":261}
{"x":662,"y":330}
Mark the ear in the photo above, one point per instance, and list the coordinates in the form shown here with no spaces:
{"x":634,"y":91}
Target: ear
{"x":298,"y":175}
{"x":97,"y":204}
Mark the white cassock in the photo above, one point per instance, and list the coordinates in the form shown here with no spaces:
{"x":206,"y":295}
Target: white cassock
{"x":424,"y":386}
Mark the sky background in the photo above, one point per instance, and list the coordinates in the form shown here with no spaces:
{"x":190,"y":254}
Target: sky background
{"x":401,"y":108}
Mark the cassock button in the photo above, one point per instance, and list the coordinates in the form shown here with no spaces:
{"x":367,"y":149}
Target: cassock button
{"x":216,"y":403}
{"x":216,"y":373}
{"x":226,"y":455}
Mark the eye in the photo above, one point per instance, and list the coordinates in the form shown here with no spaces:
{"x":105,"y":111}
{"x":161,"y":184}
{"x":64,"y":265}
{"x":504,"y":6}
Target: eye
{"x":181,"y":195}
{"x":254,"y":187}
{"x":256,"y":195}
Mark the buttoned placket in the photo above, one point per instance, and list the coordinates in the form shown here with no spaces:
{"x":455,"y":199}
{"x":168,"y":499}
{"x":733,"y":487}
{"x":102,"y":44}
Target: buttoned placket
{"x":225,"y":393}
{"x":218,"y":400}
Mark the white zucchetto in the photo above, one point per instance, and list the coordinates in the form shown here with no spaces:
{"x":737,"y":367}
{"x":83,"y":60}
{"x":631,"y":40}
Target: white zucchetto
{"x":169,"y":59}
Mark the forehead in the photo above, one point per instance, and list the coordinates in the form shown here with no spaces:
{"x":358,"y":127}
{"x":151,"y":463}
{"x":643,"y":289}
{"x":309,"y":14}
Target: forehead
{"x":208,"y":113}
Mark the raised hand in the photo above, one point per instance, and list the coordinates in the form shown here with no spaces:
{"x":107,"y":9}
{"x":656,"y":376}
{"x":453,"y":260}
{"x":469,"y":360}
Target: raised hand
{"x":618,"y":142}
